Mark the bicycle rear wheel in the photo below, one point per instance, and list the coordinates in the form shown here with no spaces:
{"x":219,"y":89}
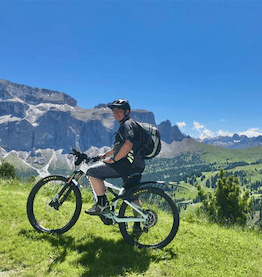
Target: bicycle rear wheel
{"x":162,"y":222}
{"x":53,"y":206}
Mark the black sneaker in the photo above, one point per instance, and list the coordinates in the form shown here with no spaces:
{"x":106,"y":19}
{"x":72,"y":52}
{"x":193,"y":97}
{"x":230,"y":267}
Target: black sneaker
{"x":98,"y":209}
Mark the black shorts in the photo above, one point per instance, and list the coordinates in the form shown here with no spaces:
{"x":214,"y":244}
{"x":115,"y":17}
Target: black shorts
{"x":121,"y":169}
{"x":102,"y":171}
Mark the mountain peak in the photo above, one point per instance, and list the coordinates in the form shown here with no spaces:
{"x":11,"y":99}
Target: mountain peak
{"x":236,"y":136}
{"x":170,"y":133}
{"x":234,"y":142}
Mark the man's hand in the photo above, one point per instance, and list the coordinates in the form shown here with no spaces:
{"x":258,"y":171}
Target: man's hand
{"x":109,"y":160}
{"x":101,"y":156}
{"x":106,"y":155}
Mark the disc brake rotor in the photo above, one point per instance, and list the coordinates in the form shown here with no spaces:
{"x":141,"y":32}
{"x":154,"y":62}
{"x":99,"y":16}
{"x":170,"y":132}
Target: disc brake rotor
{"x":152,"y":219}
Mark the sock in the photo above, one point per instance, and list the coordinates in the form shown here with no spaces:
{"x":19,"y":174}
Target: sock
{"x":102,"y":200}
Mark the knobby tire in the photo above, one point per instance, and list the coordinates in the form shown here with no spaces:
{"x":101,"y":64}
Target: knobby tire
{"x":45,"y":213}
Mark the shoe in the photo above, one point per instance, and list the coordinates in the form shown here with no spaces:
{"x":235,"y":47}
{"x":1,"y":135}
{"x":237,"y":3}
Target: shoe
{"x":98,"y":209}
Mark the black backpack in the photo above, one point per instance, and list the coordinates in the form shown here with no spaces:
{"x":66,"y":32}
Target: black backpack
{"x":150,"y":140}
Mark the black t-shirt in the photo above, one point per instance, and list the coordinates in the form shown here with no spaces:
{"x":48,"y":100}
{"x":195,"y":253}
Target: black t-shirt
{"x":129,"y":130}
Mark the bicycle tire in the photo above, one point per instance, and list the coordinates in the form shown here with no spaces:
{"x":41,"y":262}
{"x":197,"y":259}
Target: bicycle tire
{"x":44,"y":212}
{"x":163,"y":220}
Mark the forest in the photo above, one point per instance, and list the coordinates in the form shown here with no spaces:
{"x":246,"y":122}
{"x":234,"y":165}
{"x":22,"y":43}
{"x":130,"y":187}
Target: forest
{"x":190,"y":170}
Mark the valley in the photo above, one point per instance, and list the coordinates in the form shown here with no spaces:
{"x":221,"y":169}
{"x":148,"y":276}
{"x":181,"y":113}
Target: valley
{"x":199,"y":165}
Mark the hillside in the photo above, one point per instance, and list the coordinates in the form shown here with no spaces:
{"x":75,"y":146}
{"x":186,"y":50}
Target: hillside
{"x":93,"y":249}
{"x":179,"y":159}
{"x":189,"y":169}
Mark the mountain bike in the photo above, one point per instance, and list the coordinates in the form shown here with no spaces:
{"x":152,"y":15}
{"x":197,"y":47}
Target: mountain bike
{"x":146,"y":215}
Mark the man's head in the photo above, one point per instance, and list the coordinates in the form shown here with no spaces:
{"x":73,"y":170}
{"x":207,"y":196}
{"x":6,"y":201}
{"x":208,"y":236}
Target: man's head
{"x":121,"y":109}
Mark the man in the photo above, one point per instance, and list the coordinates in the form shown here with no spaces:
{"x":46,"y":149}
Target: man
{"x":121,"y":161}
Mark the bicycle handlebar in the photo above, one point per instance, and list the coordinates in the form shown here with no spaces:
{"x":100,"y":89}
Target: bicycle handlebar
{"x":83,"y":157}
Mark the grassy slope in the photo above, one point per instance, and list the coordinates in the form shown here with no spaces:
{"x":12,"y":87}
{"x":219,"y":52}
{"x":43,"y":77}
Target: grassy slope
{"x":211,"y":153}
{"x":92,"y":249}
{"x":21,"y":168}
{"x":220,"y":154}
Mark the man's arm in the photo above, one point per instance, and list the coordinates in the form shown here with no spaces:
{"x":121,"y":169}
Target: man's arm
{"x":123,"y":151}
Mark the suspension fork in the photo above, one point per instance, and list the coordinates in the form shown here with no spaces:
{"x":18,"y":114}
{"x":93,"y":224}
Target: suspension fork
{"x":55,"y":203}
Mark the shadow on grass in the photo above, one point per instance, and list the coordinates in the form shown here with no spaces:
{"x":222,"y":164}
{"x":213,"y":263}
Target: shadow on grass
{"x":102,"y":257}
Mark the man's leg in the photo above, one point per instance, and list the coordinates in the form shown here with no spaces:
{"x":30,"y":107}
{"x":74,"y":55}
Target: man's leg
{"x":102,"y":204}
{"x":97,"y":174}
{"x":98,"y":185}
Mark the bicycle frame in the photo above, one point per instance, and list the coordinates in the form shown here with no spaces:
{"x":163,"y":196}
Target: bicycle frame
{"x":109,"y":187}
{"x":112,"y":215}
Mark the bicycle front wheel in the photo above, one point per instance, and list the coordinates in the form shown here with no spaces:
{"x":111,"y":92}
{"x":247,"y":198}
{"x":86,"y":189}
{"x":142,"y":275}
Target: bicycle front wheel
{"x":54,"y":206}
{"x":162,"y":219}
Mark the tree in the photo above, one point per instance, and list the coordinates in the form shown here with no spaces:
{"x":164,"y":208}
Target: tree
{"x":228,"y":204}
{"x":7,"y":171}
{"x":31,"y":179}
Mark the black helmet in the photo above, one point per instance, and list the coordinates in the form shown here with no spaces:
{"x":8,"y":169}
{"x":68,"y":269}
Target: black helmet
{"x":120,"y":104}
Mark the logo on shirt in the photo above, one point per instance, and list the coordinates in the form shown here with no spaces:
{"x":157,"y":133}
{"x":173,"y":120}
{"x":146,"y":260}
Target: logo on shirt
{"x":131,"y":133}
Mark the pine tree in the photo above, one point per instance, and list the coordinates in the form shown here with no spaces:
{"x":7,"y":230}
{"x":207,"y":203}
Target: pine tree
{"x":7,"y":171}
{"x":228,"y":205}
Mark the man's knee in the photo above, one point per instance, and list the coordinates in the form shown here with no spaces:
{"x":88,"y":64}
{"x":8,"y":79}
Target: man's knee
{"x":95,"y":171}
{"x":90,"y":172}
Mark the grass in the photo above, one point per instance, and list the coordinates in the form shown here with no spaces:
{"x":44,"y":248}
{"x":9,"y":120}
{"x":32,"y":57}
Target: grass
{"x":93,"y":249}
{"x":218,"y":154}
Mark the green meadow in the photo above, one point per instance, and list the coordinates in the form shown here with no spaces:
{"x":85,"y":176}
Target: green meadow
{"x":93,"y":249}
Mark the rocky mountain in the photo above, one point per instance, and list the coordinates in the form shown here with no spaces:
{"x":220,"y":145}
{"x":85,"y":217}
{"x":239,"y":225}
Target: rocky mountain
{"x":234,"y":142}
{"x":33,"y":118}
{"x":34,"y":96}
{"x":170,"y":133}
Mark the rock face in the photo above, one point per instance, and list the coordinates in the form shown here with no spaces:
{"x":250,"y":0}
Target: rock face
{"x":170,"y":133}
{"x":32,"y":118}
{"x":9,"y":90}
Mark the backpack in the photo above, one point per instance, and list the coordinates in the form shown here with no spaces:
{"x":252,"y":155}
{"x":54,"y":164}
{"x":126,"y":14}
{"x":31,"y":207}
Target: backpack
{"x":150,"y":140}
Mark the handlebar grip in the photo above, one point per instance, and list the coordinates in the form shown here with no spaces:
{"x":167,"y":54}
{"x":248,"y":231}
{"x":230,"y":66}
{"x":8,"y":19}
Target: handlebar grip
{"x":81,"y":157}
{"x":96,"y":159}
{"x":75,"y":152}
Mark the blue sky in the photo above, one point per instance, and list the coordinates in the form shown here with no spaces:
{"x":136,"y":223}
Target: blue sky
{"x":195,"y":63}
